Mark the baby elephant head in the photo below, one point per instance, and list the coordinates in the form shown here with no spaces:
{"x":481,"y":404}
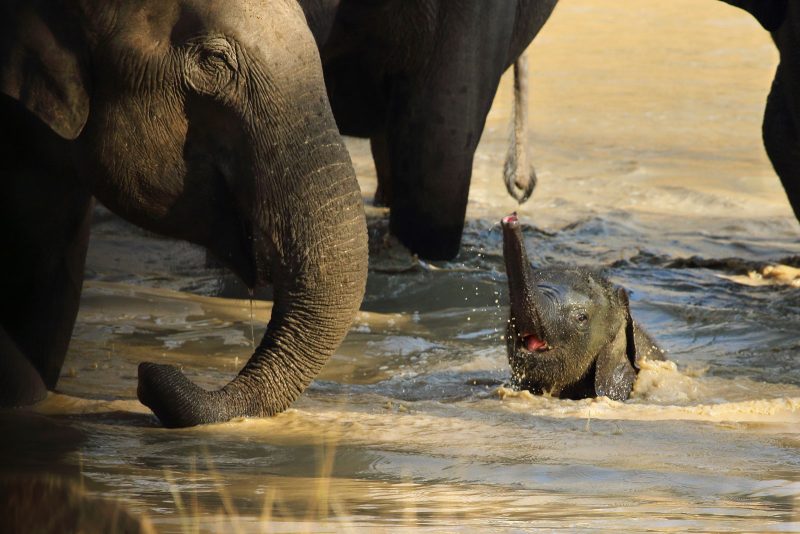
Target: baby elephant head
{"x":570,"y":333}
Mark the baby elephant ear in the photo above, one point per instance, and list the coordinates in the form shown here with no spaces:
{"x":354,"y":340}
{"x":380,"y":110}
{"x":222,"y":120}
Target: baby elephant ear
{"x":39,"y":67}
{"x":614,"y":373}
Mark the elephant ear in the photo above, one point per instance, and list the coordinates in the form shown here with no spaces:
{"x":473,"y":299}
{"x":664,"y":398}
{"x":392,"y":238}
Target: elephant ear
{"x":39,"y":67}
{"x":614,"y":372}
{"x":769,"y":13}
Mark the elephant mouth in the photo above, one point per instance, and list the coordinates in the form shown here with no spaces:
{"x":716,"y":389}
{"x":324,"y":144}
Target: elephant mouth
{"x":534,"y":343}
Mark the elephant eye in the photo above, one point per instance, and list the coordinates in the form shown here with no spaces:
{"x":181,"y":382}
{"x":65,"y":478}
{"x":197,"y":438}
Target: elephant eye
{"x":219,"y":53}
{"x":215,"y":57}
{"x":211,"y":64}
{"x":582,"y":317}
{"x":213,"y":51}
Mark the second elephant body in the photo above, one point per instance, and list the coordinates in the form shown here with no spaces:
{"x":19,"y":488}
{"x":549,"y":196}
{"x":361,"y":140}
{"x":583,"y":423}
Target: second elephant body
{"x":417,"y":77}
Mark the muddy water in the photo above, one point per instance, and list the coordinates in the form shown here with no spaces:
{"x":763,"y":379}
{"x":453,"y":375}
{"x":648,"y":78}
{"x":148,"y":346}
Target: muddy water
{"x":645,"y":131}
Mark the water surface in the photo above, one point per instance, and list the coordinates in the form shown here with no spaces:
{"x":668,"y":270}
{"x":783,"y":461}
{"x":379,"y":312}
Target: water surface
{"x":646,"y":135}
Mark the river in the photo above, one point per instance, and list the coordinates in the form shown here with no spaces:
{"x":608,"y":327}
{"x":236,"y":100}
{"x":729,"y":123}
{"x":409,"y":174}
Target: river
{"x":645,"y":130}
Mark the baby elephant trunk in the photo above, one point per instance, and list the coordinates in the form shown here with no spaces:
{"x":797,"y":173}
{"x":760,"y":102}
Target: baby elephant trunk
{"x":521,"y":285}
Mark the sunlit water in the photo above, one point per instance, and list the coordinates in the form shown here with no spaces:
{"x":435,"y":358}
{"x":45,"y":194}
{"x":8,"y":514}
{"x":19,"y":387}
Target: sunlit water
{"x":645,"y":130}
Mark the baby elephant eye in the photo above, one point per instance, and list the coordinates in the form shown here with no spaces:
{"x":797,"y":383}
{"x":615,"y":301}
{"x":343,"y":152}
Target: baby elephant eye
{"x":582,"y":317}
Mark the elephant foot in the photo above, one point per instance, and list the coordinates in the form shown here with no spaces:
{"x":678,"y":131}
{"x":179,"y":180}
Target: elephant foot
{"x":20,"y":383}
{"x":174,"y":399}
{"x":23,"y":395}
{"x":21,"y":391}
{"x":381,"y":200}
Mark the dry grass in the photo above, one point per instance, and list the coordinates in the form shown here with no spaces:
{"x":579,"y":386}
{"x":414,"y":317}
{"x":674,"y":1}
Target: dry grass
{"x":322,"y":504}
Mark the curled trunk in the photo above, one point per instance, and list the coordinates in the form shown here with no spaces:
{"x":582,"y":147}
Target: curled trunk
{"x":312,"y":228}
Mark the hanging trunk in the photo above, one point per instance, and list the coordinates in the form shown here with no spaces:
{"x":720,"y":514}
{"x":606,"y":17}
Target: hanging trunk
{"x":308,"y":223}
{"x":319,"y":265}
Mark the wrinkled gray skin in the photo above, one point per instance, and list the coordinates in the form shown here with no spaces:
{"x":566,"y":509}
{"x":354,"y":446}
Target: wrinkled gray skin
{"x":781,"y":127}
{"x":204,"y":121}
{"x":417,"y":77}
{"x":570,"y":333}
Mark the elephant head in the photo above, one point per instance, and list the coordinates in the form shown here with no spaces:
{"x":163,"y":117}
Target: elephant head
{"x":209,"y":122}
{"x":570,"y":333}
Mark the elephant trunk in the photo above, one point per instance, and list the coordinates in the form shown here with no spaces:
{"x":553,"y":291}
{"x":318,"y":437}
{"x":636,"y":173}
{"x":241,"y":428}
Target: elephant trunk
{"x":319,"y":267}
{"x":523,"y":293}
{"x":308,"y":222}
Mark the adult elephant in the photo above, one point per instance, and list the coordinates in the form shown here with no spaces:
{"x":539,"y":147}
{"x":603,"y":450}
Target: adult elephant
{"x":204,"y":121}
{"x":417,"y":77}
{"x":781,"y":127}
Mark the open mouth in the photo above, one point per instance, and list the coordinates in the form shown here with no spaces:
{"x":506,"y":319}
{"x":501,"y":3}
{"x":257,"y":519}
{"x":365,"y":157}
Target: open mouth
{"x":535,"y":344}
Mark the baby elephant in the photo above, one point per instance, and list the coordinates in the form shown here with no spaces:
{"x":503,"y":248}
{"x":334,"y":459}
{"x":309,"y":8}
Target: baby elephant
{"x":571,"y":333}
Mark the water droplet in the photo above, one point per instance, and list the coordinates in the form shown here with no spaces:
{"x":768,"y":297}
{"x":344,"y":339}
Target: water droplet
{"x":252,"y":330}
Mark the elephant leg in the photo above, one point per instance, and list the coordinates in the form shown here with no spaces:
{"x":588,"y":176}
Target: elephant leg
{"x":46,"y":229}
{"x":20,"y":382}
{"x":380,"y":154}
{"x":435,"y":119}
{"x":432,"y":133}
{"x":781,"y":140}
{"x":431,"y":169}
